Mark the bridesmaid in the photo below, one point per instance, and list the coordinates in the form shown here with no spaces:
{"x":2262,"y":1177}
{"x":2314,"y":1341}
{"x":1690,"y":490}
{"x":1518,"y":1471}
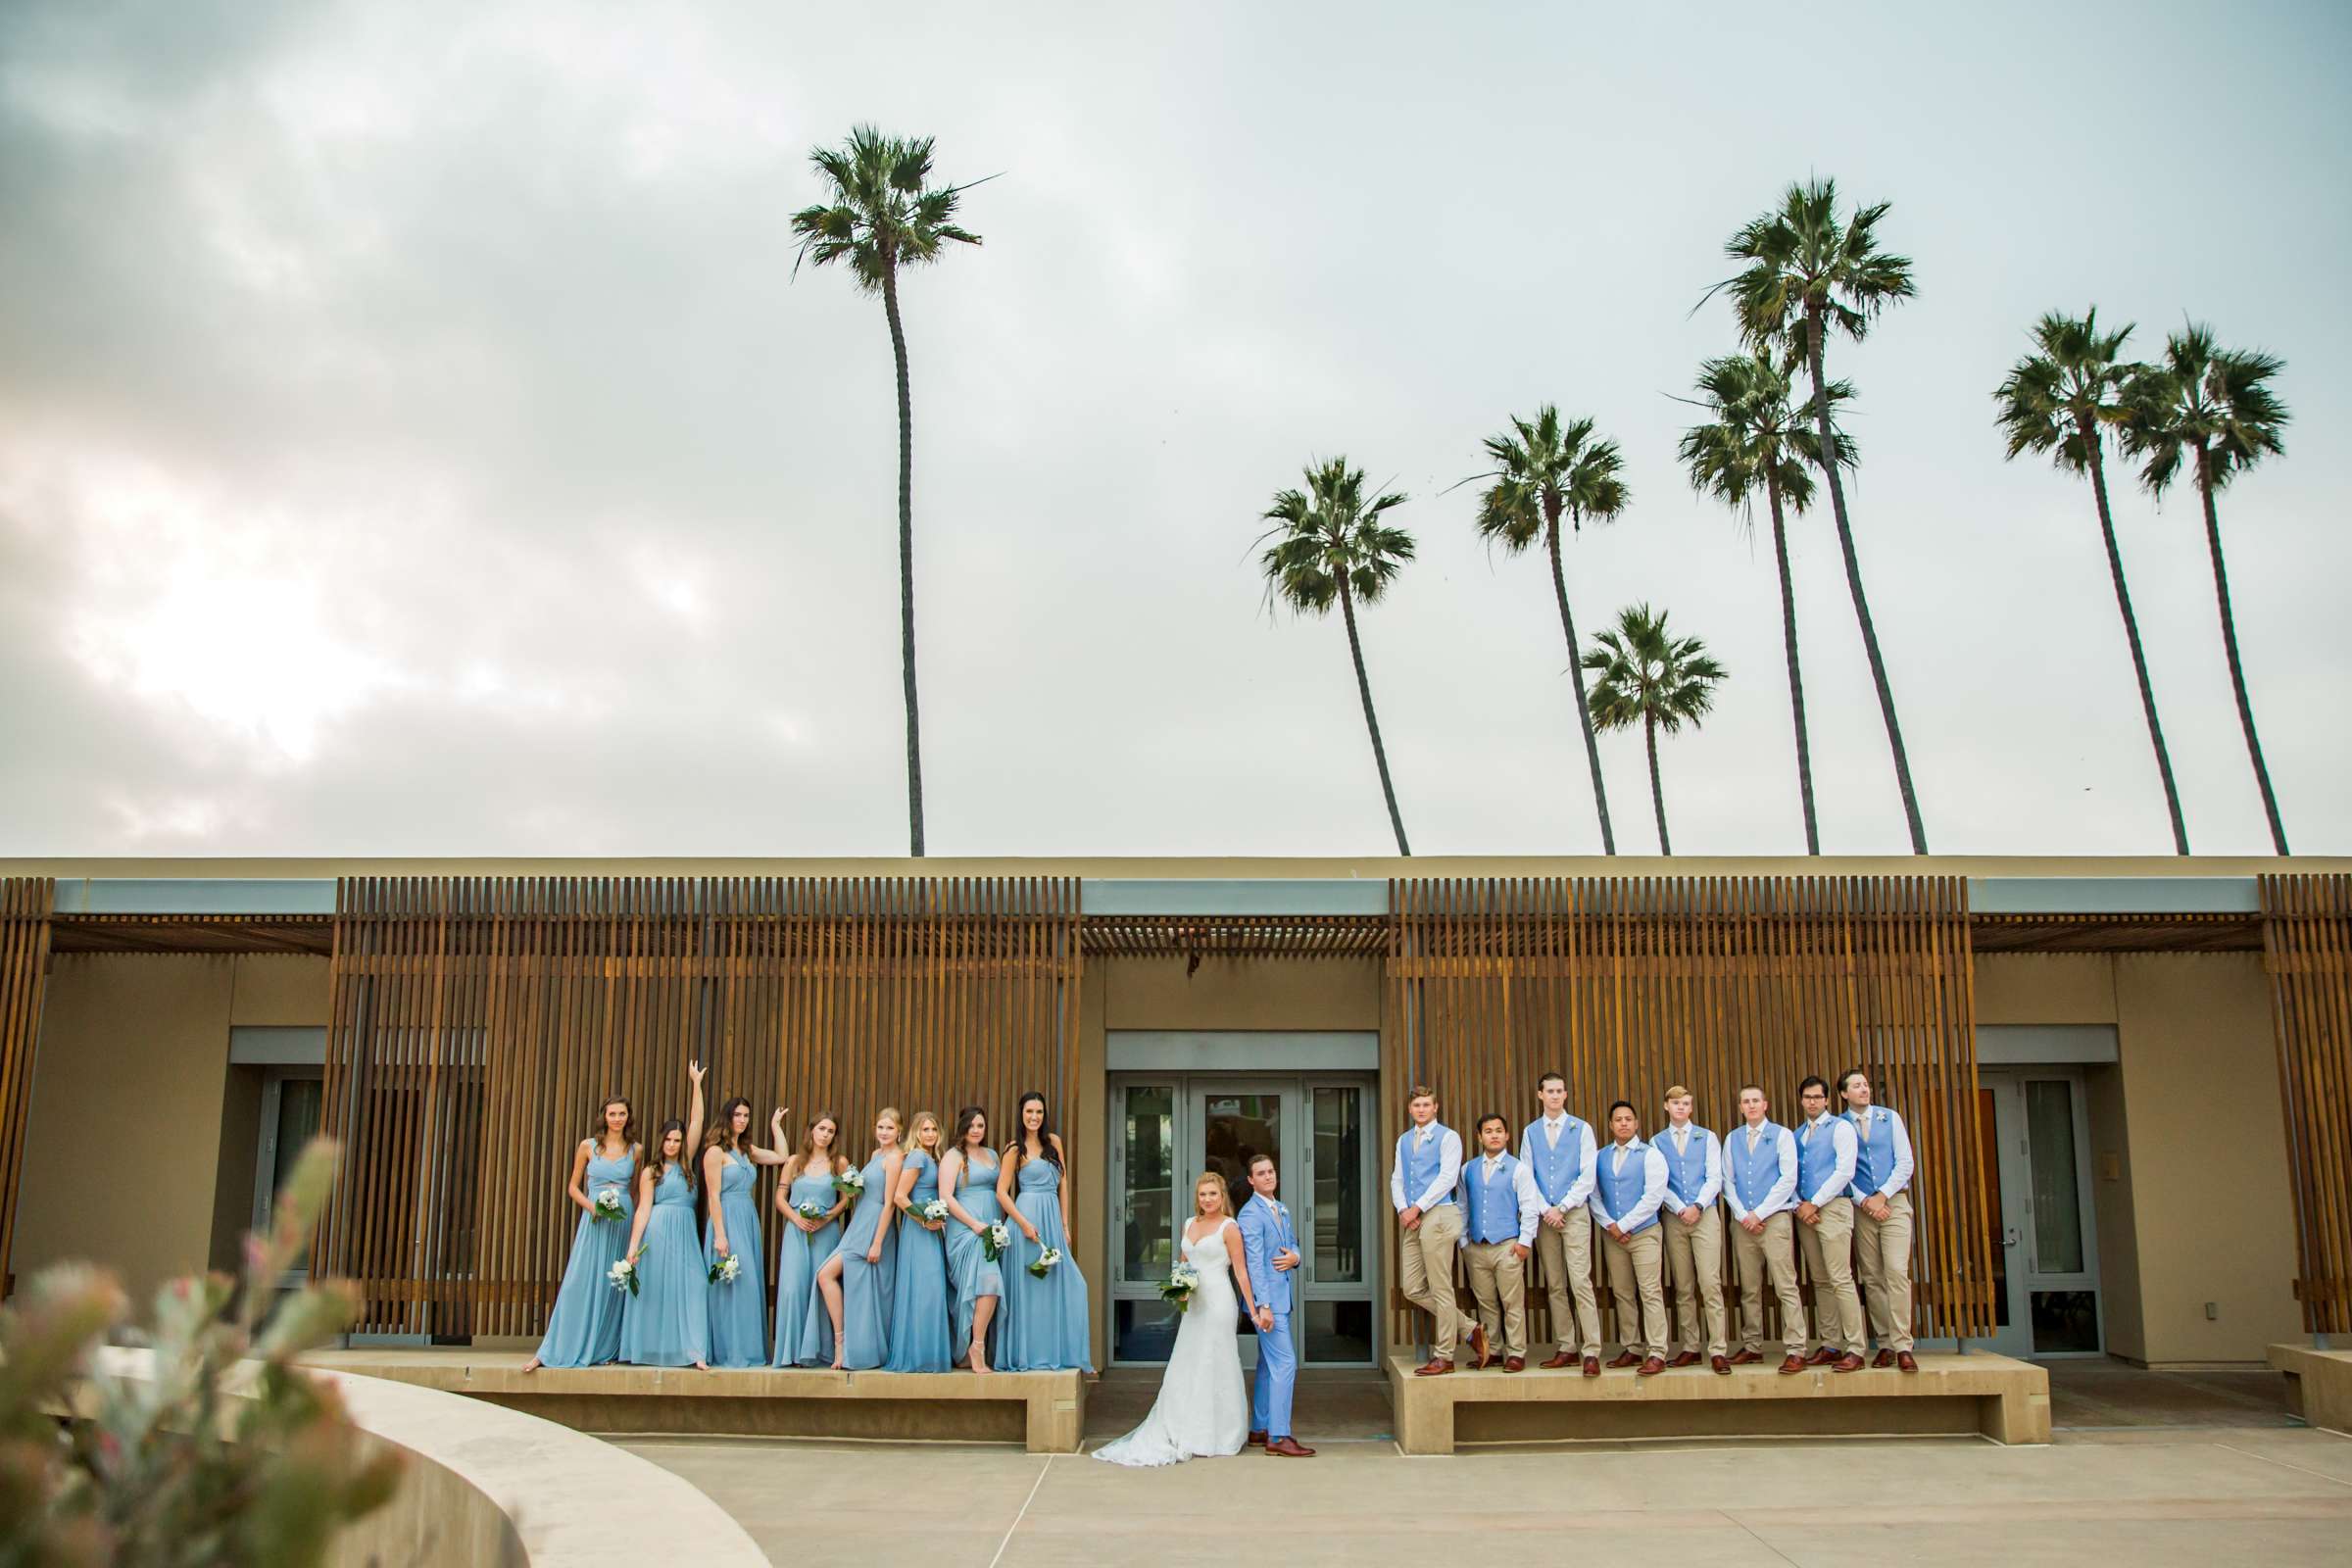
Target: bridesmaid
{"x":584,"y":1329}
{"x":856,"y":1281}
{"x":738,"y":1311}
{"x":919,"y":1313}
{"x":967,"y":1180}
{"x":805,"y":1180}
{"x":667,"y":1321}
{"x":1044,"y":1319}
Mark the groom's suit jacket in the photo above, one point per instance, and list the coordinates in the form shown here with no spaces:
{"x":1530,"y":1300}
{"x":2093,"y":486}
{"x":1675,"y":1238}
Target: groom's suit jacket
{"x":1265,"y":1231}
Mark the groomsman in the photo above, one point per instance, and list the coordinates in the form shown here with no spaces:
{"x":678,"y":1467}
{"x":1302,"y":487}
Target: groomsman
{"x":1761,"y":1186}
{"x":1693,"y":1230}
{"x":1824,"y":1217}
{"x":1557,"y":1147}
{"x":1499,"y":1232}
{"x":1421,"y":1186}
{"x":1882,"y":1195}
{"x":1629,"y":1185}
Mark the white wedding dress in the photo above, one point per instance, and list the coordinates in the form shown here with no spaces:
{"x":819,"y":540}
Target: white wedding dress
{"x":1202,"y":1407}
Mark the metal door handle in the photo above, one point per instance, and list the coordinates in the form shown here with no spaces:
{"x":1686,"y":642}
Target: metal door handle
{"x":2011,"y":1236}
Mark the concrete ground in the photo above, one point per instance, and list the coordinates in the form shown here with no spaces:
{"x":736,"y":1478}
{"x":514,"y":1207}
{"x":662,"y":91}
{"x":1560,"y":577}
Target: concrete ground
{"x":2154,"y":1469}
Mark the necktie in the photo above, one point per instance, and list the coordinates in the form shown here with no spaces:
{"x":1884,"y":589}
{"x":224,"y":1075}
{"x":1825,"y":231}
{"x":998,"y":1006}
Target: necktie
{"x":1681,"y":1140}
{"x":1618,"y":1168}
{"x":1551,"y":1134}
{"x":1753,"y":1133}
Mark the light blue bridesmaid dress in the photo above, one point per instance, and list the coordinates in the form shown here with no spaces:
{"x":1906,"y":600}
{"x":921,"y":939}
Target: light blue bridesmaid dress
{"x":667,"y":1322}
{"x":1045,"y":1320}
{"x":584,"y":1329}
{"x":968,"y":1268}
{"x":738,"y":1311}
{"x":919,"y":1312}
{"x":865,"y":1288}
{"x":799,"y":1255}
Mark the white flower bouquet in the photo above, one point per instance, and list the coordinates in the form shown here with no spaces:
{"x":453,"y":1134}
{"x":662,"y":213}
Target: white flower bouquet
{"x":622,"y":1276}
{"x":811,"y":1210}
{"x":935,"y":1212}
{"x":1178,"y":1287}
{"x":726,"y":1270}
{"x":850,"y":1184}
{"x":1045,"y":1263}
{"x":994,"y":1241}
{"x":606,"y":1206}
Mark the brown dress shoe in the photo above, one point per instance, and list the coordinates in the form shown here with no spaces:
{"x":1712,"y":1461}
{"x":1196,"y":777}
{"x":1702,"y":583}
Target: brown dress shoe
{"x":1687,"y":1358}
{"x":1883,"y":1360}
{"x":1794,"y":1363}
{"x":1477,"y":1349}
{"x":1720,"y":1365}
{"x":1629,"y":1359}
{"x":1849,"y":1362}
{"x":1747,"y":1358}
{"x":1433,"y":1369}
{"x":1514,"y":1363}
{"x":1290,"y":1448}
{"x":1822,"y":1357}
{"x":1563,"y":1358}
{"x":1649,"y":1368}
{"x":1257,"y":1440}
{"x":1591,"y":1366}
{"x":1905,"y":1360}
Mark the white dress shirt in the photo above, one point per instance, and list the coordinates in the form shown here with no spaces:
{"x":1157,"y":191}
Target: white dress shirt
{"x":1449,"y":1170}
{"x":1653,"y":1187}
{"x":1710,"y":1185}
{"x":1579,"y":1189}
{"x":1523,"y":1187}
{"x":1842,"y":1140}
{"x":1782,"y":1197}
{"x":1900,"y":1177}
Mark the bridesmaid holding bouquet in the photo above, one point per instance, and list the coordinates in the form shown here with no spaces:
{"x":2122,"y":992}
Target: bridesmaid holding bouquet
{"x":1045,"y":1296}
{"x":811,"y":1210}
{"x":665,"y":1320}
{"x":731,"y":1243}
{"x":857,"y":1280}
{"x":584,"y":1329}
{"x":968,"y":1184}
{"x":919,"y":1313}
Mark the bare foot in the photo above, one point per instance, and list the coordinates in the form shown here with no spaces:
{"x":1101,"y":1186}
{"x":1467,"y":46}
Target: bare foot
{"x":979,"y":1365}
{"x":701,"y":1366}
{"x":533,"y":1364}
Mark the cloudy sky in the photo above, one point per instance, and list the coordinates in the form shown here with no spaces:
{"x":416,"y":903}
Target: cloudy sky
{"x":413,"y":439}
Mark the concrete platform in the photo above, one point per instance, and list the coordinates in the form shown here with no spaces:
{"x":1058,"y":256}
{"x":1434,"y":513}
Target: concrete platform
{"x":1980,"y":1394}
{"x":2318,"y":1384}
{"x":1042,"y":1411}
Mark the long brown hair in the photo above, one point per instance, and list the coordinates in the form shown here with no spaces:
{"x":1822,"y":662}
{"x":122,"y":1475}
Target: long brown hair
{"x":655,"y":1163}
{"x":798,"y":1166}
{"x":628,"y":1131}
{"x":720,"y":1133}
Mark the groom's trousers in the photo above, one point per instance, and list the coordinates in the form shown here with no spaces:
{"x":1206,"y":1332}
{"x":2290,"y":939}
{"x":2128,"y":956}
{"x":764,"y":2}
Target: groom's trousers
{"x":1277,"y":1377}
{"x":1425,"y":1269}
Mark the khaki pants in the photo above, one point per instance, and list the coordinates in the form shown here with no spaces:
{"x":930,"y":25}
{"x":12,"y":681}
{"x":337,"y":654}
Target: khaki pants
{"x":1883,"y":1261}
{"x":1566,"y":1255}
{"x":1633,"y":1270}
{"x":1829,"y":1247}
{"x":1499,"y":1280}
{"x":1695,"y":1263}
{"x":1771,"y":1254}
{"x":1425,"y":1264}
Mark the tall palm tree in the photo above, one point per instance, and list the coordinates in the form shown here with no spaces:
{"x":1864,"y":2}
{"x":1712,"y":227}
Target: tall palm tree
{"x":1544,"y":470}
{"x":1645,"y":675}
{"x":1758,"y":441}
{"x":881,"y":213}
{"x":1329,"y":544}
{"x":2215,"y":406}
{"x":2060,"y":400}
{"x":1809,"y":274}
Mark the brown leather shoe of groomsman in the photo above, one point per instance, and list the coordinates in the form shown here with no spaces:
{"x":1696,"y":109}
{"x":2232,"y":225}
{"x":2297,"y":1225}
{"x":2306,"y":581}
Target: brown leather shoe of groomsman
{"x":1883,"y":1360}
{"x":1433,"y":1368}
{"x":1796,"y":1363}
{"x":1747,"y":1358}
{"x":1624,"y":1360}
{"x":1559,"y":1359}
{"x":1906,"y":1362}
{"x":1849,"y":1362}
{"x":1720,"y":1365}
{"x":1591,"y":1366}
{"x":1514,"y":1363}
{"x":1290,"y":1448}
{"x":1687,"y":1358}
{"x":1649,"y":1368}
{"x":1480,"y":1360}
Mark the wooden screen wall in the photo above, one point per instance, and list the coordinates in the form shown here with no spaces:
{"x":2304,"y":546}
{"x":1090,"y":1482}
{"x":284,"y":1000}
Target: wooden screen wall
{"x":25,"y":906}
{"x":2307,"y":949}
{"x":1629,"y":985}
{"x":478,"y":1024}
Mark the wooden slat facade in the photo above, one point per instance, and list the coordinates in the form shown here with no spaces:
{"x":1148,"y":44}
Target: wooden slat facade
{"x":24,"y":906}
{"x":478,"y":1023}
{"x":2307,"y":951}
{"x":1629,"y":985}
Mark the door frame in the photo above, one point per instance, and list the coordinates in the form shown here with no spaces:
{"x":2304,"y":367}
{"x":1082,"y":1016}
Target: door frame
{"x":2014,"y":1153}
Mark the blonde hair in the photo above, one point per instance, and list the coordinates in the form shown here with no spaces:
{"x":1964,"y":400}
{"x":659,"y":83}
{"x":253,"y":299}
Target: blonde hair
{"x":1677,"y":1092}
{"x":1224,"y":1194}
{"x":913,"y":1136}
{"x":897,"y":1119}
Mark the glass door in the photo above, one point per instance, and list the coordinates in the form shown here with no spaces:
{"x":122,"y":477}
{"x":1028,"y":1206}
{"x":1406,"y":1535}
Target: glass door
{"x":1146,"y":1171}
{"x":2047,"y":1266}
{"x":1240,"y":1120}
{"x":1336,"y":1212}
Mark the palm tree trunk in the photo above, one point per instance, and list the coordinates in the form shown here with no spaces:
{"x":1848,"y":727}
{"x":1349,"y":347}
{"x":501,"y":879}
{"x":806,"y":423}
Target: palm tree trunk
{"x":1796,"y":680}
{"x":2238,"y":674}
{"x":1657,"y":795}
{"x":914,"y":726}
{"x":2139,"y":660}
{"x":1576,"y":672}
{"x":1854,"y":583}
{"x":1363,"y":689}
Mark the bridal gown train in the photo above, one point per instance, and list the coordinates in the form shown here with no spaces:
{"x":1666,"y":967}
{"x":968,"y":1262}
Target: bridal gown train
{"x":1202,"y":1407}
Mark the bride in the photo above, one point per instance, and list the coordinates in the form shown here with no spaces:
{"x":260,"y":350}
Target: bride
{"x":1202,"y":1407}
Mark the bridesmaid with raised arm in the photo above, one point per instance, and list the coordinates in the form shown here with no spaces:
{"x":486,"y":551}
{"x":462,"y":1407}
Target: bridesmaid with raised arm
{"x":1044,"y":1295}
{"x":967,"y":1182}
{"x":738,"y":1309}
{"x":667,"y":1320}
{"x":856,"y":1281}
{"x":919,"y":1312}
{"x":584,"y":1329}
{"x":812,"y":1211}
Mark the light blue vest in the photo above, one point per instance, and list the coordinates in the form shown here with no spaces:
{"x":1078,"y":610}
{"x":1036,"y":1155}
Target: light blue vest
{"x":1622,"y":1191}
{"x":1816,"y":1157}
{"x":1494,"y":1205}
{"x":1555,"y":1167}
{"x":1687,"y":1172}
{"x":1421,"y":1164}
{"x":1753,"y":1175}
{"x":1874,"y":1154}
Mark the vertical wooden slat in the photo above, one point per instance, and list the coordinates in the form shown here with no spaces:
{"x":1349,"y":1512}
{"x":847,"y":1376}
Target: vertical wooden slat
{"x":26,"y":904}
{"x":2307,"y":953}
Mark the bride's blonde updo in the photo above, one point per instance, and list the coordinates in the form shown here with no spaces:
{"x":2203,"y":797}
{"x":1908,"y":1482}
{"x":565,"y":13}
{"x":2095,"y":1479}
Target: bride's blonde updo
{"x":1224,"y":1198}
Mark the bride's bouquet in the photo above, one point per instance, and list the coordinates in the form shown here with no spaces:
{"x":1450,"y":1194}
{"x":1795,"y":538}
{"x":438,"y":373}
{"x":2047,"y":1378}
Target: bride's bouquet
{"x":850,"y":1184}
{"x":623,"y":1274}
{"x":994,"y":1241}
{"x":1178,"y":1287}
{"x":606,"y":1206}
{"x":726,"y":1270}
{"x":1045,"y":1262}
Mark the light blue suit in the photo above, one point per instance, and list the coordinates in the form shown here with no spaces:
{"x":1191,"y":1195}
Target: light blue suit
{"x":1265,"y":1231}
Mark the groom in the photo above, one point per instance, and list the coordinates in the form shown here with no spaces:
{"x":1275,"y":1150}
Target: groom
{"x":1271,"y":1248}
